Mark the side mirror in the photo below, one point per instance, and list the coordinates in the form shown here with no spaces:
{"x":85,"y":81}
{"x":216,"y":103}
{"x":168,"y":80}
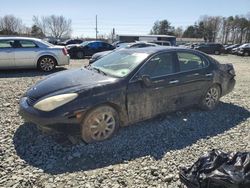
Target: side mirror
{"x":146,"y":80}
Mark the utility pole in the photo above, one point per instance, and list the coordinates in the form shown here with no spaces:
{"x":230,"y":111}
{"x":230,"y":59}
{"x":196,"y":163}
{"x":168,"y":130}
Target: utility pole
{"x":96,"y":30}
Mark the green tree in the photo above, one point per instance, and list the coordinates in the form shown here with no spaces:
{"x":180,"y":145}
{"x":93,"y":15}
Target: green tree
{"x":37,"y":32}
{"x":162,"y":28}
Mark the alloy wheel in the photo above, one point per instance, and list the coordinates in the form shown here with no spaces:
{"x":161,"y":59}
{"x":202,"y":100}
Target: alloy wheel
{"x":47,"y":64}
{"x":212,"y":97}
{"x":102,"y":126}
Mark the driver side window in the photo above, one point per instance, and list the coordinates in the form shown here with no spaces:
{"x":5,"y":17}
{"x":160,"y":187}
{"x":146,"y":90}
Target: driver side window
{"x":159,"y":65}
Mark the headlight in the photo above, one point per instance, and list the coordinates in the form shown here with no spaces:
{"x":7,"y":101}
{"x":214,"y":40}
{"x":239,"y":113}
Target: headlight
{"x":54,"y":102}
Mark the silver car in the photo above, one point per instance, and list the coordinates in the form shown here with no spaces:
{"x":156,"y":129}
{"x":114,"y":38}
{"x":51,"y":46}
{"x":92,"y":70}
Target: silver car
{"x":23,"y":52}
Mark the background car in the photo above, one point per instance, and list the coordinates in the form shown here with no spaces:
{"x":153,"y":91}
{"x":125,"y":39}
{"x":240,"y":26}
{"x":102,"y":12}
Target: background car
{"x":229,"y":48}
{"x":87,"y":48}
{"x":22,"y":52}
{"x":237,"y":49}
{"x":211,"y":48}
{"x":70,"y":41}
{"x":125,"y":87}
{"x":99,"y":55}
{"x":245,"y":51}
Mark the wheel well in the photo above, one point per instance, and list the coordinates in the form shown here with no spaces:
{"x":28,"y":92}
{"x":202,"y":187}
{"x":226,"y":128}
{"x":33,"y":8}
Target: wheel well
{"x":219,"y":87}
{"x":46,"y":56}
{"x":115,"y":106}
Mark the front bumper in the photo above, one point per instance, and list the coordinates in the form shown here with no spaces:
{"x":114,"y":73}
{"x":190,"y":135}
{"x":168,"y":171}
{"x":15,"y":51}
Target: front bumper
{"x":44,"y":119}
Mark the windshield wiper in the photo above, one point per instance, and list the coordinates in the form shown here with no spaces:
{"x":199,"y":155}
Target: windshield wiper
{"x":99,"y":70}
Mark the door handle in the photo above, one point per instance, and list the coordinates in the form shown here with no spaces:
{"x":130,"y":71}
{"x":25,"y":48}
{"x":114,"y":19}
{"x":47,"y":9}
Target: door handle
{"x":174,"y":81}
{"x":209,"y":74}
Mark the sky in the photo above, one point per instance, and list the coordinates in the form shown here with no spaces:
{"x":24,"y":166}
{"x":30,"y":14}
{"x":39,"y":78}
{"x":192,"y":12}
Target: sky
{"x":126,"y":16}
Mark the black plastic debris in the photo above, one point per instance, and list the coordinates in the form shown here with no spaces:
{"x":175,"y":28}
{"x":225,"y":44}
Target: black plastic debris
{"x":218,"y":169}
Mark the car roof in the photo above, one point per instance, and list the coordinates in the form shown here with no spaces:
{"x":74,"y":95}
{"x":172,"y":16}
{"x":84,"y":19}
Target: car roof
{"x":19,"y":38}
{"x":152,"y":50}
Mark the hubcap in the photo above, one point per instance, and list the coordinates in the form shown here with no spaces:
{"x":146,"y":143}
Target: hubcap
{"x":212,"y":97}
{"x":47,"y":64}
{"x":102,"y":126}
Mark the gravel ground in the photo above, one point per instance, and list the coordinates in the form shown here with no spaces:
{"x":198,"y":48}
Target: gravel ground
{"x":148,"y":154}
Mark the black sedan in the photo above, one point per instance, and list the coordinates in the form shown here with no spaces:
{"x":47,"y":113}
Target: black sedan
{"x":99,"y":55}
{"x":87,"y":48}
{"x":125,"y":87}
{"x":211,"y":48}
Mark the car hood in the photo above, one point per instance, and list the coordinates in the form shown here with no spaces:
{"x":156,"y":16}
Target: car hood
{"x":68,"y":81}
{"x":101,"y":54}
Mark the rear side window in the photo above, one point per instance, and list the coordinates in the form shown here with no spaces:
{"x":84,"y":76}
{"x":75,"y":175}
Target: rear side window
{"x":159,"y":65}
{"x":189,"y":61}
{"x":27,"y":44}
{"x":6,"y":43}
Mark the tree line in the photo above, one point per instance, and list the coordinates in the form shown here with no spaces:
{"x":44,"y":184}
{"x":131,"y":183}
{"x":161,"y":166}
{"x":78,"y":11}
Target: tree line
{"x":53,"y":26}
{"x":232,"y":29}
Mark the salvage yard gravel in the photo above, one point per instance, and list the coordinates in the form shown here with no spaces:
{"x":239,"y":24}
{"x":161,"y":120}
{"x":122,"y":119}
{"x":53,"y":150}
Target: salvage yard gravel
{"x":146,"y":154}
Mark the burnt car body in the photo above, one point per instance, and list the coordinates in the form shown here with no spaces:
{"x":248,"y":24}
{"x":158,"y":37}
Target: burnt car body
{"x":211,"y":48}
{"x":88,"y":48}
{"x":105,"y":95}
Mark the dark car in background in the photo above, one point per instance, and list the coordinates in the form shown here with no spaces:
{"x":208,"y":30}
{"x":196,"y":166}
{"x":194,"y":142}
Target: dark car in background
{"x":88,"y":48}
{"x":236,"y":50}
{"x":211,"y":48}
{"x":229,"y":48}
{"x":70,"y":41}
{"x":125,"y":87}
{"x":244,"y":51}
{"x":99,"y":55}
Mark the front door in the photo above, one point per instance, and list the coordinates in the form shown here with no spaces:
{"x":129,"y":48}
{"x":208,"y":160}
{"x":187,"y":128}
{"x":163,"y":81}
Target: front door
{"x":145,"y":101}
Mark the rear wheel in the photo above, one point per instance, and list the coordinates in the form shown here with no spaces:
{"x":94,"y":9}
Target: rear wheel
{"x":47,"y":63}
{"x":80,"y":55}
{"x":211,"y":98}
{"x":217,"y":52}
{"x":246,"y":54}
{"x":99,"y":124}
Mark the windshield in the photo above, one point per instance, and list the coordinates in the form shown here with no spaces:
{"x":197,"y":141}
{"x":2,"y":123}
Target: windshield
{"x":84,"y":43}
{"x":120,"y":63}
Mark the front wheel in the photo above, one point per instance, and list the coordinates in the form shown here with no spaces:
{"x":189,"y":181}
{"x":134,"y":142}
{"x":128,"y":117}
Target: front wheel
{"x":99,"y":124}
{"x":211,"y":98}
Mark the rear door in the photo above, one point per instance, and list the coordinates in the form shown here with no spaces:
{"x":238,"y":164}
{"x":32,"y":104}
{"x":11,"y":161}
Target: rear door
{"x":26,"y":53}
{"x":195,"y":77}
{"x":7,"y":55}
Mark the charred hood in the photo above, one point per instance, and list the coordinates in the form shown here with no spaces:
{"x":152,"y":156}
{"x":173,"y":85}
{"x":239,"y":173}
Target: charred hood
{"x":65,"y":80}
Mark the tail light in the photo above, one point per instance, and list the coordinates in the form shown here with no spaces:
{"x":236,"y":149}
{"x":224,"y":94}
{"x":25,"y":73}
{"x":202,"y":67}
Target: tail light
{"x":65,"y":52}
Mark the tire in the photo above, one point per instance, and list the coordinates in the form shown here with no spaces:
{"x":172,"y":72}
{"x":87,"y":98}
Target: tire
{"x":47,"y":63}
{"x":246,"y":54}
{"x":217,"y":52}
{"x":211,"y":98}
{"x":79,"y":55}
{"x":99,"y":124}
